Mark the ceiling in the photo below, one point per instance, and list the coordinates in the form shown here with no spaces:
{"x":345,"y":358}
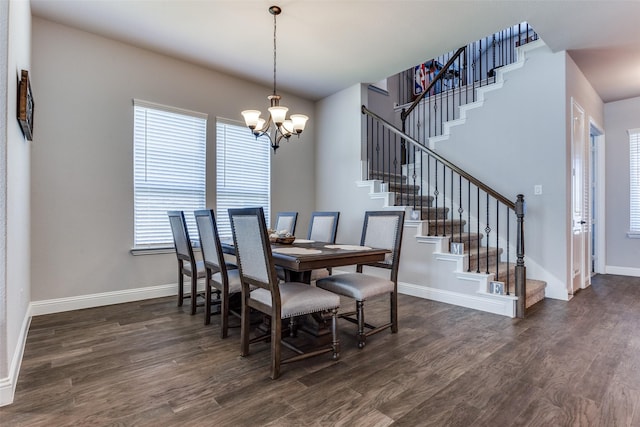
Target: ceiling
{"x":325,"y":46}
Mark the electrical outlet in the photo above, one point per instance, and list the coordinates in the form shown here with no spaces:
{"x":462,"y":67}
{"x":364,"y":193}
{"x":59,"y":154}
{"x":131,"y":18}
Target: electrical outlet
{"x":537,"y":189}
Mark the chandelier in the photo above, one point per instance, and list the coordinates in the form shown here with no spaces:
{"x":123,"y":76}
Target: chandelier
{"x":277,"y":126}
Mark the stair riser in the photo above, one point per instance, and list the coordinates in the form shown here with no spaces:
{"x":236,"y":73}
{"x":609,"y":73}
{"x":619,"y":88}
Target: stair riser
{"x":403,"y":199}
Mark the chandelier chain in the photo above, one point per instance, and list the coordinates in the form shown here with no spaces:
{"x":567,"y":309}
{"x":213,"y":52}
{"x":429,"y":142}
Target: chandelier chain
{"x":274,"y":53}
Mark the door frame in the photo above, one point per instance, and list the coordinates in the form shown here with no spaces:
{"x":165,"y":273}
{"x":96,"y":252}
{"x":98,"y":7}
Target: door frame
{"x":579,"y":216}
{"x":597,"y":178}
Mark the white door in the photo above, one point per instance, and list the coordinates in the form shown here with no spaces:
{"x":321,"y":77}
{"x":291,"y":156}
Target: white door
{"x":580,"y":248}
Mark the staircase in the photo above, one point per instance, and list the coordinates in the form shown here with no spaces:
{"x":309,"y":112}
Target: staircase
{"x":433,"y":190}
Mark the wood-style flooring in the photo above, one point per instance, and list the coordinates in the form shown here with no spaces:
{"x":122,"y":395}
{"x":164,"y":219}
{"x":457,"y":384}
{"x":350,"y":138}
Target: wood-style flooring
{"x":150,"y":363}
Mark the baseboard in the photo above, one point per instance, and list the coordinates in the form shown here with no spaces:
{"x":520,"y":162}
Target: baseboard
{"x":497,"y":304}
{"x":59,"y":305}
{"x":8,"y":384}
{"x":622,"y":271}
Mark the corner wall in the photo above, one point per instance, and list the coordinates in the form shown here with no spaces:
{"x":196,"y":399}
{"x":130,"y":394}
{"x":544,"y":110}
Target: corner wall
{"x":15,"y":51}
{"x":621,"y":251}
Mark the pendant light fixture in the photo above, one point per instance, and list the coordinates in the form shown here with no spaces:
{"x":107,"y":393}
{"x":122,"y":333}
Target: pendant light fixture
{"x":277,"y":126}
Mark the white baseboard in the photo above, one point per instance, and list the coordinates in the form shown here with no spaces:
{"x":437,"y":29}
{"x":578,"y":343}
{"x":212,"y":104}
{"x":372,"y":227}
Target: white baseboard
{"x":59,"y":305}
{"x":497,"y":304}
{"x":622,"y":271}
{"x":8,"y":384}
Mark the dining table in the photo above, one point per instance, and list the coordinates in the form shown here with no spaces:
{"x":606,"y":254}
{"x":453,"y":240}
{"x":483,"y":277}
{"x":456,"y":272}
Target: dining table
{"x":300,"y":257}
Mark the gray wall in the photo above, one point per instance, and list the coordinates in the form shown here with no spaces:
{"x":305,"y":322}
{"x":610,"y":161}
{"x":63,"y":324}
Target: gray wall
{"x":516,"y":140}
{"x":622,"y":253}
{"x":82,"y":192}
{"x":14,"y":192}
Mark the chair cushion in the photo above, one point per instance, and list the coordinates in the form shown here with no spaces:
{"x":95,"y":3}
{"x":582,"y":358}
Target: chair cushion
{"x":356,"y":285}
{"x":199,"y":265}
{"x":235,"y":284}
{"x":298,"y":299}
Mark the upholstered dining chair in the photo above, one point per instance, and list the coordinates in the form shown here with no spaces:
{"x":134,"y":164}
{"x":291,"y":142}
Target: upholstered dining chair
{"x":323,"y":227}
{"x":187,"y":263}
{"x":220,"y":275}
{"x":381,"y":229}
{"x":286,"y":221}
{"x":286,"y":300}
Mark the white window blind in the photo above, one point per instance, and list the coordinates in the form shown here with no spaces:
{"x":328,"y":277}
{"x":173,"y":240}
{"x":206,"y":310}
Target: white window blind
{"x":243,"y":177}
{"x":634,"y":168}
{"x":169,"y":164}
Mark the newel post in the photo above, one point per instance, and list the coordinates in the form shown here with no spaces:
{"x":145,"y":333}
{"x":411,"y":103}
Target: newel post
{"x":521,"y":271}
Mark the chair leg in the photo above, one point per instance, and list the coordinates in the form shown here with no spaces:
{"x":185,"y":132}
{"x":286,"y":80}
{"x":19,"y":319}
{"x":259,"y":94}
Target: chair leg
{"x":244,"y":327}
{"x":360,"y":317}
{"x":394,"y":312}
{"x":224,"y":314}
{"x":180,"y":287}
{"x":335,"y":344}
{"x":207,"y":303}
{"x":194,"y":293}
{"x":276,"y":336}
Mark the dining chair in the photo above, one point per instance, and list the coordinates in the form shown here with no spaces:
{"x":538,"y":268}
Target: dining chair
{"x":286,"y":221}
{"x":187,"y":263}
{"x":381,"y":229}
{"x":220,"y":275}
{"x":286,"y":300}
{"x":323,"y":227}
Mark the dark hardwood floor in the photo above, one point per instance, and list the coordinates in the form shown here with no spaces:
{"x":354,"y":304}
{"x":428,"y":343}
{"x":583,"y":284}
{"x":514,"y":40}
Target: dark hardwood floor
{"x":150,"y":363}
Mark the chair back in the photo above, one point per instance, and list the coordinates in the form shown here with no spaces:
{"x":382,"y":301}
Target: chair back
{"x":383,"y":229}
{"x":323,"y":226}
{"x":286,"y":221}
{"x":184,"y":250}
{"x":253,"y":250}
{"x":210,"y":246}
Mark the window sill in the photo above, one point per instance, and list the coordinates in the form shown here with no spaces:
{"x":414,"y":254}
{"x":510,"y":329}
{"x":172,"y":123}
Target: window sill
{"x":153,"y":250}
{"x":633,"y":234}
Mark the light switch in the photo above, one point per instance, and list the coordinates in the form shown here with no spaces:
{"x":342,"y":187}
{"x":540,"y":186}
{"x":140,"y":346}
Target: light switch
{"x":537,"y":189}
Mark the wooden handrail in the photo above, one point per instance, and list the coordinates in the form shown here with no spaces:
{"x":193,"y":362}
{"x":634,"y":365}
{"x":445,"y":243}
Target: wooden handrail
{"x":437,"y":78}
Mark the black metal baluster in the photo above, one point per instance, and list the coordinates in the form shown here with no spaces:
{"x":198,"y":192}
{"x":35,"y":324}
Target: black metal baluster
{"x":478,"y":228}
{"x":487,"y":230}
{"x":469,"y":225}
{"x":497,"y":239}
{"x":508,"y":252}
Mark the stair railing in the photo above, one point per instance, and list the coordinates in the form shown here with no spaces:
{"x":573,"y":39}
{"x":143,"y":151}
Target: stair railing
{"x":423,"y":177}
{"x":453,"y":79}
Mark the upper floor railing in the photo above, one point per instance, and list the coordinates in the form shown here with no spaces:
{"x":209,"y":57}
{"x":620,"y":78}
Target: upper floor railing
{"x":431,"y":92}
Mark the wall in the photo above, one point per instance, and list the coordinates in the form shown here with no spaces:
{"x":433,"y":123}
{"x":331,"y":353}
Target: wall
{"x":622,"y":253}
{"x":516,"y":140}
{"x":15,"y":282}
{"x":338,"y":155}
{"x":82,"y":193}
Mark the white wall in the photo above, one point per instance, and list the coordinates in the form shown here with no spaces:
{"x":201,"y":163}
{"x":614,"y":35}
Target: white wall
{"x":82,"y":192}
{"x":338,"y":156}
{"x":622,"y":253}
{"x":516,"y":140}
{"x":15,"y":183}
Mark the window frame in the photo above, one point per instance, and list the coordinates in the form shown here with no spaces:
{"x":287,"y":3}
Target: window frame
{"x":259,"y":162}
{"x":152,"y":159}
{"x":634,"y":183}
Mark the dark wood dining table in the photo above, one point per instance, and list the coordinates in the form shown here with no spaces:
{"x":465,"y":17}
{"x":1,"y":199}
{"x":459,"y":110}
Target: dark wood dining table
{"x":302,"y":256}
{"x":299,"y":258}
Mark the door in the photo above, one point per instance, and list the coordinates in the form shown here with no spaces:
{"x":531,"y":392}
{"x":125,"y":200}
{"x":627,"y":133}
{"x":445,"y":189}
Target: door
{"x":580,"y":247}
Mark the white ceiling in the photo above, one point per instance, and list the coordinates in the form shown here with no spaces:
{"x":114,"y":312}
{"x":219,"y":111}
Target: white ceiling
{"x":325,"y":46}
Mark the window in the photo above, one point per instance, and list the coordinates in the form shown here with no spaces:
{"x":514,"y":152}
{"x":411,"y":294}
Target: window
{"x":243,"y":177}
{"x":634,"y":194}
{"x":169,"y":167}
